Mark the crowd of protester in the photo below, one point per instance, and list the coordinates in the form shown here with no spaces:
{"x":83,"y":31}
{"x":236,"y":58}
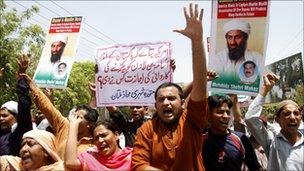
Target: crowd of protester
{"x":188,"y":131}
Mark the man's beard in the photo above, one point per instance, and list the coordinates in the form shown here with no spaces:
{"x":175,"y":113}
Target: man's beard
{"x":4,"y":127}
{"x":238,"y":53}
{"x":56,"y":57}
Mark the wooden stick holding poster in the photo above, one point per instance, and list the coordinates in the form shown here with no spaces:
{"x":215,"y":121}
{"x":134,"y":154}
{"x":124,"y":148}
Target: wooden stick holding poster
{"x":128,"y":75}
{"x":59,"y":52}
{"x":238,"y":45}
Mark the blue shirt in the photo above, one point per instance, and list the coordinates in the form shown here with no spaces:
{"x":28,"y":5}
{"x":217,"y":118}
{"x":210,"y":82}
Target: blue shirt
{"x":228,"y":152}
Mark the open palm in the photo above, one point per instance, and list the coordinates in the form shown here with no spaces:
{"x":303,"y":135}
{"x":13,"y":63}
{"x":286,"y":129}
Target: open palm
{"x":193,"y":28}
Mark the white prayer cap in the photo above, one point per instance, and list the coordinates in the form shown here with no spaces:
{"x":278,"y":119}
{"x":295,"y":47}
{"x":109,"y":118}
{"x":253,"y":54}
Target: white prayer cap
{"x":12,"y":106}
{"x":60,"y":37}
{"x":236,"y":24}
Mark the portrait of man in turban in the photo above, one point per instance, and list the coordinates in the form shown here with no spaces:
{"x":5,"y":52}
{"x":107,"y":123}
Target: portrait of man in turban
{"x":230,"y":59}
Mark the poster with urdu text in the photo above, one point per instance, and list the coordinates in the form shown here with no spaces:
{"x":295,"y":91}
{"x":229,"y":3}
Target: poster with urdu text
{"x":128,"y":75}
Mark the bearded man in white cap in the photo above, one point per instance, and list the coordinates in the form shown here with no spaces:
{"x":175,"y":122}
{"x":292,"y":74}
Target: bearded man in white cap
{"x":49,"y":69}
{"x":231,"y":58}
{"x":58,"y":44}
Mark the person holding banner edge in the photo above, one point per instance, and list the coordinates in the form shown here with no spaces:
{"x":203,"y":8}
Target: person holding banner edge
{"x":171,"y":139}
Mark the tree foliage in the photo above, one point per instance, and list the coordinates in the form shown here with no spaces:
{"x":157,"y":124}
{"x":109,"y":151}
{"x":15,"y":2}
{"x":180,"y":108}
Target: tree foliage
{"x":270,"y":108}
{"x":299,"y":97}
{"x":17,"y":36}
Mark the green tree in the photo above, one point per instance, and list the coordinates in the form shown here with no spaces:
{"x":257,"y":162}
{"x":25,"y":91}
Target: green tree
{"x":77,"y":91}
{"x":299,"y":96}
{"x":16,"y":36}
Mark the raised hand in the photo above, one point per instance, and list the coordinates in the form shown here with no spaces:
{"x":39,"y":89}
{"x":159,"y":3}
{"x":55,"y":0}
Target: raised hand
{"x":74,"y":119}
{"x":234,"y":98}
{"x":29,"y":81}
{"x":49,"y":93}
{"x":211,"y":75}
{"x":92,"y":87}
{"x":270,"y":80}
{"x":193,"y":28}
{"x":23,"y":63}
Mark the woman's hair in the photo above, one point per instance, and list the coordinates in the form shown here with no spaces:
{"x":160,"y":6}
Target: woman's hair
{"x":108,"y":124}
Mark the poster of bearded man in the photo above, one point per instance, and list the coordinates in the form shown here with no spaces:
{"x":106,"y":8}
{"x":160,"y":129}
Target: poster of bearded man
{"x":238,"y":45}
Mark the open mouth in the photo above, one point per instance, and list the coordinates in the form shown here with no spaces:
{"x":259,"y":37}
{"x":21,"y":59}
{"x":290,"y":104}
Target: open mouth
{"x":168,"y":112}
{"x":25,"y":158}
{"x":103,"y":147}
{"x":293,"y":125}
{"x":224,"y":123}
{"x":136,"y":115}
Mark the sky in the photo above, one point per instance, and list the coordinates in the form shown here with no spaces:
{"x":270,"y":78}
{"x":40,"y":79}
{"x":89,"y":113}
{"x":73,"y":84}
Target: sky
{"x":128,"y":22}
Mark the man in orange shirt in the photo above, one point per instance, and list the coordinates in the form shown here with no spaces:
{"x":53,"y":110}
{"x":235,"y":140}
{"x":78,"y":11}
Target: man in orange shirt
{"x":172,"y":140}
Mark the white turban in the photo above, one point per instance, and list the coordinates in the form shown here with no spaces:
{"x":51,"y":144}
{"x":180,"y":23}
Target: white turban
{"x":236,"y":24}
{"x":60,"y":37}
{"x":46,"y":140}
{"x":11,"y":106}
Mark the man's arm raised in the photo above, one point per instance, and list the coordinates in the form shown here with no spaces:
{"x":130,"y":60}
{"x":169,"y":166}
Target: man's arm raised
{"x":194,"y":31}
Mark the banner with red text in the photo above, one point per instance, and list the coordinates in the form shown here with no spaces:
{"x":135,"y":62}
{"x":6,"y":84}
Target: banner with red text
{"x":128,"y":75}
{"x":238,"y":45}
{"x":59,"y":51}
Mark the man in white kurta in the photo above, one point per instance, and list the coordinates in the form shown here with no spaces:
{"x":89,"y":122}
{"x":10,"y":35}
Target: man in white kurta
{"x":284,"y":147}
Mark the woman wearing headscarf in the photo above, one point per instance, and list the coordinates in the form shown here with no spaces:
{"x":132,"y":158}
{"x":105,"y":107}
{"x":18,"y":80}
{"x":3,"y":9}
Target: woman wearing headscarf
{"x":38,"y":152}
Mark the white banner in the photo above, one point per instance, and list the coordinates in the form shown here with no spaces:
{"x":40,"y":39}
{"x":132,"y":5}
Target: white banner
{"x":128,"y":75}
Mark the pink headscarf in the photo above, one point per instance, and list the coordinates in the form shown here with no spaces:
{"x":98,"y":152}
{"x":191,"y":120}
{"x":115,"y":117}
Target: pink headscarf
{"x":118,"y":161}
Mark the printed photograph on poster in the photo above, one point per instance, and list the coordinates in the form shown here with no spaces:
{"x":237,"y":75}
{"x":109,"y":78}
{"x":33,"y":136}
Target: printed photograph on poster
{"x":238,"y":45}
{"x":128,"y":75}
{"x":291,"y":73}
{"x":59,"y":51}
